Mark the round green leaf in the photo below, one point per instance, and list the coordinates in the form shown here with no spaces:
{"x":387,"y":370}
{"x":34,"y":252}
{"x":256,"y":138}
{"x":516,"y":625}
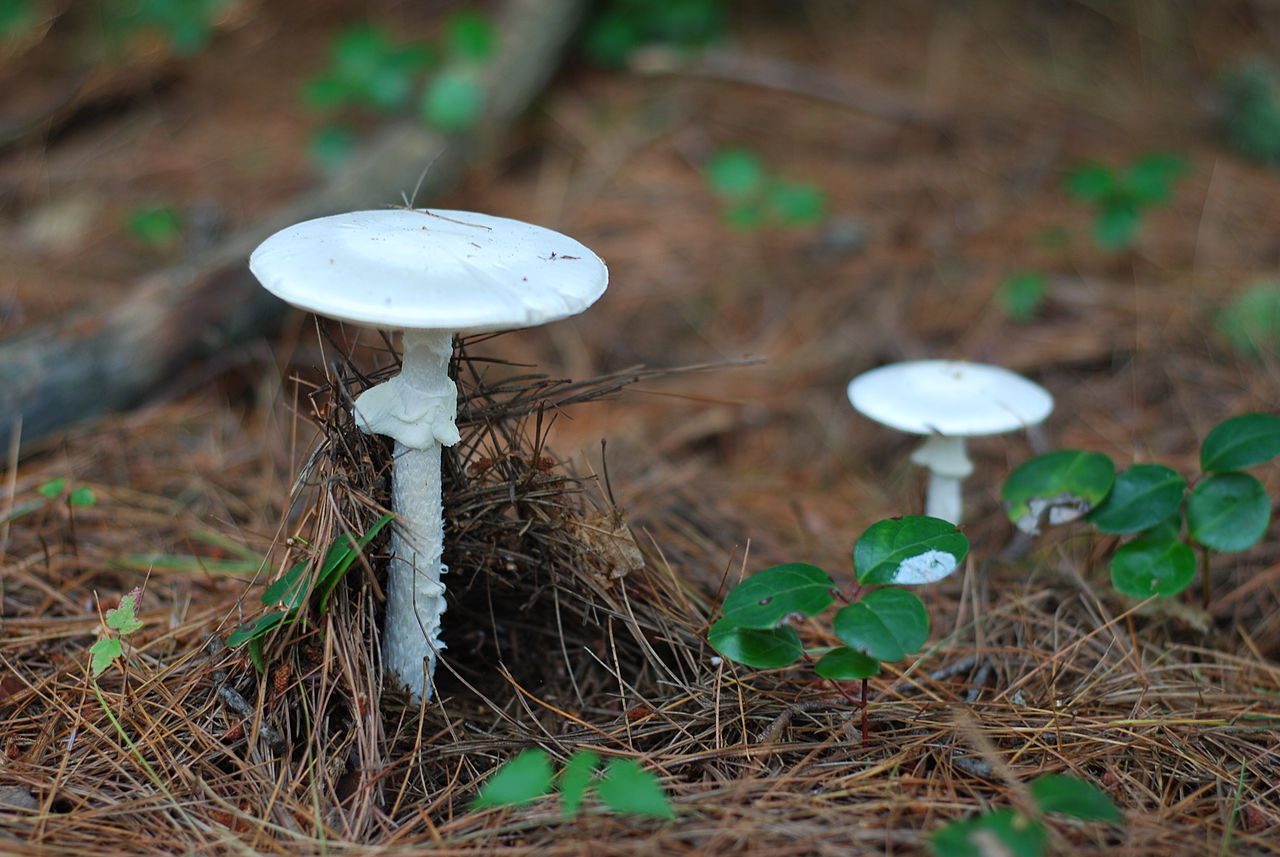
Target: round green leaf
{"x":628,"y":788}
{"x":908,"y":550}
{"x":1152,"y":566}
{"x":763,"y":649}
{"x":1002,"y":831}
{"x":1241,"y":441}
{"x":767,"y":598}
{"x":1143,"y":496}
{"x":844,"y":664}
{"x":453,"y":100}
{"x":1228,"y":511}
{"x":736,"y":173}
{"x":525,"y":778}
{"x":797,"y":204}
{"x":887,"y":624}
{"x":1056,"y":487}
{"x":1076,"y":798}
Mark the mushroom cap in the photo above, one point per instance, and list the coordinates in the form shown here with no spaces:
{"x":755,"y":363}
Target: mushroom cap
{"x":414,"y":269}
{"x":949,"y":397}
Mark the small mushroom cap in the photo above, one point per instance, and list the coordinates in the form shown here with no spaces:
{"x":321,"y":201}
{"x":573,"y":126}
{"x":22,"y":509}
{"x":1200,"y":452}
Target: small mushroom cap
{"x":414,"y":269}
{"x":949,"y":397}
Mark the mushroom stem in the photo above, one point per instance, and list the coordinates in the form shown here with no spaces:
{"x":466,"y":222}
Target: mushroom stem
{"x":417,"y":408}
{"x":948,"y":465}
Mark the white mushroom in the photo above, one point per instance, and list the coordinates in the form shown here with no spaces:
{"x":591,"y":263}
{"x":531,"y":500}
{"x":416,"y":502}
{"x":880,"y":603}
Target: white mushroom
{"x":432,"y":274}
{"x":948,"y":400}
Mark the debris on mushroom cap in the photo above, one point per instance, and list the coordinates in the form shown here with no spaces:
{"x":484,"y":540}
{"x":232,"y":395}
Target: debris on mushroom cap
{"x":949,"y":397}
{"x":455,"y":271}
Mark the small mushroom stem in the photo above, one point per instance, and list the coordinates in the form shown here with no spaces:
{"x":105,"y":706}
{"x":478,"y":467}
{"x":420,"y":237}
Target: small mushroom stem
{"x":948,"y":465}
{"x":417,"y":408}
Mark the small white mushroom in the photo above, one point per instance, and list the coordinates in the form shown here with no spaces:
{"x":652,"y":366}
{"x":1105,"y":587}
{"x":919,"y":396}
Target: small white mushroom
{"x":431,"y":274}
{"x":948,"y":400}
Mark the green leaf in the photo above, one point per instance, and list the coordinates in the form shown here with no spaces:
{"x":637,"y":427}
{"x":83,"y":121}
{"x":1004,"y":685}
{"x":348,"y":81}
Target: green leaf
{"x":1228,"y":511}
{"x":290,"y":590}
{"x":1021,"y":296}
{"x":340,"y":557}
{"x":102,"y":653}
{"x":797,"y":204}
{"x":1250,"y":322}
{"x":258,"y":628}
{"x":453,"y":100}
{"x":611,"y":38}
{"x":82,"y":497}
{"x":1076,"y":798}
{"x":575,"y":779}
{"x":1240,"y":442}
{"x":157,"y":226}
{"x":1143,"y":496}
{"x":52,"y":488}
{"x":15,"y":17}
{"x":331,"y":146}
{"x":470,"y":36}
{"x":844,"y":664}
{"x":1091,"y":182}
{"x":1115,"y":225}
{"x":525,"y":778}
{"x":744,"y":216}
{"x":123,"y":619}
{"x":1058,"y":487}
{"x":911,"y":550}
{"x":628,"y":788}
{"x":887,"y":624}
{"x":766,"y":599}
{"x":736,"y":174}
{"x":1152,"y":566}
{"x":1150,"y":179}
{"x":762,"y":649}
{"x":1001,"y":833}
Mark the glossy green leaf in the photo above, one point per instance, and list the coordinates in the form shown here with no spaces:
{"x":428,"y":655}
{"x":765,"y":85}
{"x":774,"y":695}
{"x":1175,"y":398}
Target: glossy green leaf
{"x":627,"y":787}
{"x":1000,"y":833}
{"x":1228,"y":511}
{"x":290,"y":590}
{"x":1143,"y":496}
{"x":887,"y":624}
{"x":1056,"y":487}
{"x":575,"y":779}
{"x":844,"y":664}
{"x":1149,"y":566}
{"x":1073,"y":797}
{"x":258,"y":628}
{"x":912,"y":550}
{"x":124,"y":618}
{"x":453,"y":100}
{"x":760,"y":648}
{"x":524,"y":778}
{"x":102,"y":653}
{"x":342,"y":553}
{"x":767,"y":598}
{"x":1241,"y":441}
{"x":736,"y":173}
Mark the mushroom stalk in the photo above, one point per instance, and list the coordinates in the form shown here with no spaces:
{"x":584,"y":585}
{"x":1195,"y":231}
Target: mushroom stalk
{"x":417,"y":408}
{"x":948,"y":465}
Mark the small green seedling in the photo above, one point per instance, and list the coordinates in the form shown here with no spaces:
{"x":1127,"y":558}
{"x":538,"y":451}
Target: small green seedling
{"x":1250,"y":94}
{"x":623,"y":786}
{"x":1121,"y":197}
{"x":1250,"y":322}
{"x":624,"y":26}
{"x":1010,"y":832}
{"x":453,"y":99}
{"x":80,"y":497}
{"x":157,"y":226}
{"x":1021,"y":296}
{"x":294,"y":589}
{"x":368,"y":70}
{"x":884,"y":625}
{"x":119,"y":623}
{"x":753,"y":199}
{"x":1225,"y":510}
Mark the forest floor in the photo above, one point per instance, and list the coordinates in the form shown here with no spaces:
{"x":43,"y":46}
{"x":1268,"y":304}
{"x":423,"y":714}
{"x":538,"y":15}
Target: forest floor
{"x":755,"y":458}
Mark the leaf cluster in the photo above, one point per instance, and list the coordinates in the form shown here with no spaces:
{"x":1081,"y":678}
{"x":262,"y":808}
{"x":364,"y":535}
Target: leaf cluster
{"x":1120,"y":197}
{"x":291,"y":593}
{"x":622,"y":785}
{"x":621,"y":27}
{"x":1225,"y":510}
{"x":753,"y":198}
{"x":883,"y":625}
{"x":80,"y":497}
{"x":1007,"y":831}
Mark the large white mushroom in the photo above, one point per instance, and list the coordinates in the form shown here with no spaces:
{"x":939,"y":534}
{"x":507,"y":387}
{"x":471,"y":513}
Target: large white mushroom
{"x":431,"y":274}
{"x":948,"y":400}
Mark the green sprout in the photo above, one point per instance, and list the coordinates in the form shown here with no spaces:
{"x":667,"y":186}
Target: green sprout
{"x":1010,"y":832}
{"x":623,"y":786}
{"x":1225,"y":510}
{"x":752,"y":198}
{"x":119,"y":623}
{"x":883,"y":625}
{"x":1121,"y":197}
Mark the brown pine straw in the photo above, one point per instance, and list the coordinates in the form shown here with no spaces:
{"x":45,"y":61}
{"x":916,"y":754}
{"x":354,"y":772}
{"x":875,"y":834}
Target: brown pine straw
{"x":565,"y":631}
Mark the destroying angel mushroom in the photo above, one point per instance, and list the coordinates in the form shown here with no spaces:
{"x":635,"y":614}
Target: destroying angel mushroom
{"x":431,"y":274}
{"x":948,"y":400}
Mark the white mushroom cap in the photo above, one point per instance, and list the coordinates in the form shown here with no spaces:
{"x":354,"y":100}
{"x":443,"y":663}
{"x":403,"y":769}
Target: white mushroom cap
{"x":408,"y":269}
{"x":949,"y":397}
